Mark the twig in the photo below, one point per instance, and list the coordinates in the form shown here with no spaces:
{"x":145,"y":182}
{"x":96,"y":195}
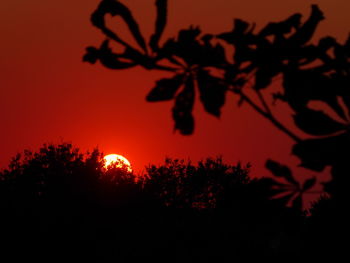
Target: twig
{"x":263,"y":101}
{"x":270,"y":117}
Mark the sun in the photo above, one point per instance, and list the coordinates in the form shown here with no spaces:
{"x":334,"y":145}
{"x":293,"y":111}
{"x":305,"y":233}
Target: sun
{"x":119,"y":160}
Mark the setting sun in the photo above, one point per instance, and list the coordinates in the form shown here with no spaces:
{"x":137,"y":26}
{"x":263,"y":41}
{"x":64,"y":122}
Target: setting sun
{"x":117,"y":159}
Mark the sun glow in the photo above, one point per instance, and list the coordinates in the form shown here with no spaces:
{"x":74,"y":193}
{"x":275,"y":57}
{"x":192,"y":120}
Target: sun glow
{"x":119,"y":161}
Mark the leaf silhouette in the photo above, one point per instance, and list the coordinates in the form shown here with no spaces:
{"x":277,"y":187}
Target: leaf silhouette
{"x":212,"y":55}
{"x":280,"y":170}
{"x":240,"y":28}
{"x":189,"y":36}
{"x":342,"y":83}
{"x":311,"y":72}
{"x":165,"y":88}
{"x":308,"y":184}
{"x":316,"y":154}
{"x":107,"y":57}
{"x":284,"y":199}
{"x":162,"y":6}
{"x":278,"y":188}
{"x":306,"y":31}
{"x":303,"y":86}
{"x":116,"y":8}
{"x":241,"y":37}
{"x":188,"y":47}
{"x":91,"y":55}
{"x":182,"y":110}
{"x":212,"y":92}
{"x":279,"y":29}
{"x":185,"y":46}
{"x":317,"y":123}
{"x":264,"y":75}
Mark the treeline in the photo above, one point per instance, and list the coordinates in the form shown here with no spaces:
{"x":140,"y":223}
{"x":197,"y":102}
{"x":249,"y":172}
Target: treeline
{"x":58,"y":204}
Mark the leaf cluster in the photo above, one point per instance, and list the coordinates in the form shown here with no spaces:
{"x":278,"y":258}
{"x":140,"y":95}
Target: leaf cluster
{"x":201,"y":63}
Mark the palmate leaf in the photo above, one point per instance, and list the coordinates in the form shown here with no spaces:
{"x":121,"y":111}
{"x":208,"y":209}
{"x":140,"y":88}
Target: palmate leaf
{"x":275,"y":187}
{"x":162,"y":8}
{"x":212,"y":92}
{"x":115,"y":8}
{"x":283,"y":201}
{"x":165,"y":88}
{"x":283,"y":193}
{"x":296,"y":196}
{"x":182,"y":110}
{"x":317,"y":123}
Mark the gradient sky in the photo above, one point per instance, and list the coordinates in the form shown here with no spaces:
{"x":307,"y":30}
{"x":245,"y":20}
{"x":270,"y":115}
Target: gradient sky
{"x":47,"y":94}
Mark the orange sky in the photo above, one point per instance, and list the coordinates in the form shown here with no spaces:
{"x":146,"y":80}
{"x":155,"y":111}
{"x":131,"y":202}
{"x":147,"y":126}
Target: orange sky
{"x":48,"y":95}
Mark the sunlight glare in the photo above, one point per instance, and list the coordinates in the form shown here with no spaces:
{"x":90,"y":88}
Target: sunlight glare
{"x":120,"y":160}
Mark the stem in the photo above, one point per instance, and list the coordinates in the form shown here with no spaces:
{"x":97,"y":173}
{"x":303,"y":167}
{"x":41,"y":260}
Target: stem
{"x":267,"y":113}
{"x":165,"y":68}
{"x":270,"y":117}
{"x":263,"y":101}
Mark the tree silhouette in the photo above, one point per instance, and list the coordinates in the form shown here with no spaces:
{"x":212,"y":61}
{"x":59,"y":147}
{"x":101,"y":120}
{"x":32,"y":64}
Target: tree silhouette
{"x":201,"y":186}
{"x":310,"y":72}
{"x":51,"y":202}
{"x":60,"y":204}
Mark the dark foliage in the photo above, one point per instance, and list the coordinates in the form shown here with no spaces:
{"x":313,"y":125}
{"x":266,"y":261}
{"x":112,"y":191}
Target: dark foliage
{"x":309,"y":71}
{"x":60,"y":205}
{"x":292,"y":191}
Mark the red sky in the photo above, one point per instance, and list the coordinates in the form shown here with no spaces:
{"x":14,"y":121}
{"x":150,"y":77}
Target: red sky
{"x":47,"y":94}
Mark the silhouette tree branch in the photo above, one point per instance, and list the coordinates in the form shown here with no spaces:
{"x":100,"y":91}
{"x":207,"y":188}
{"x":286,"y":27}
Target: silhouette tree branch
{"x":279,"y":49}
{"x":263,"y":101}
{"x":269,"y":116}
